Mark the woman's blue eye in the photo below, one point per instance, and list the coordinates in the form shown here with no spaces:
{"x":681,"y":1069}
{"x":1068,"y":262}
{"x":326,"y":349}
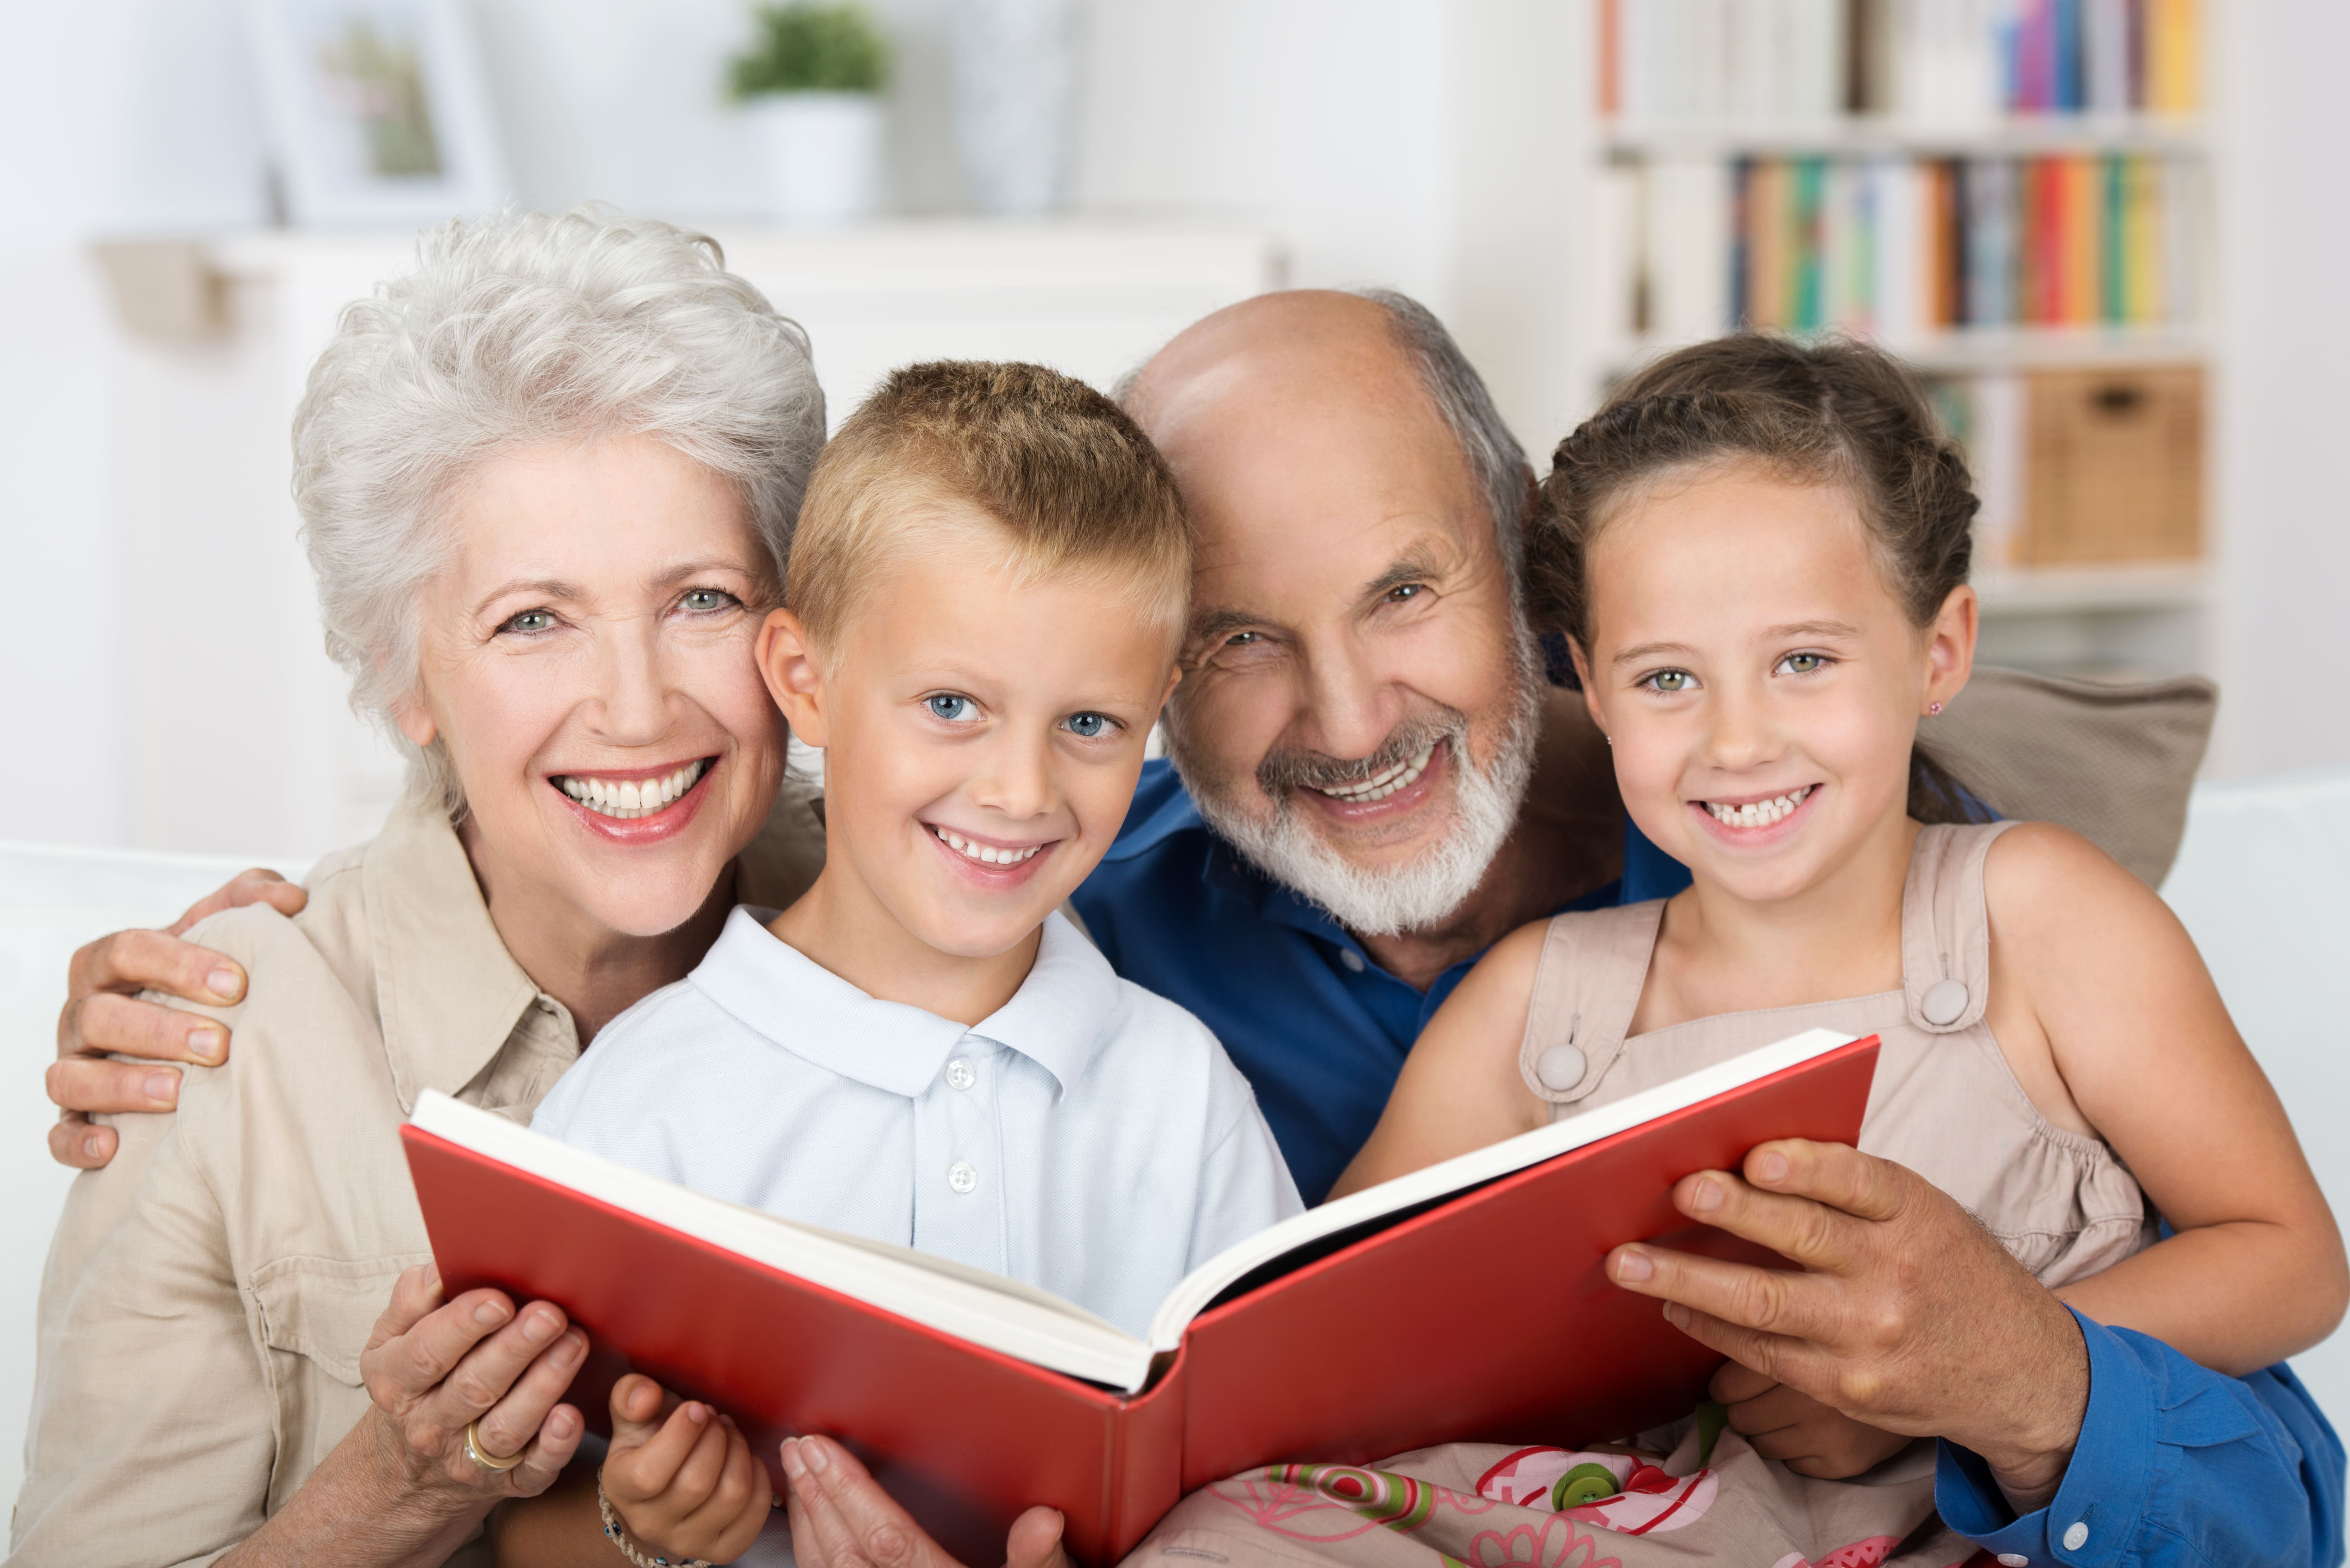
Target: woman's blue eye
{"x":706,"y":599}
{"x":1804,"y":663}
{"x":530,"y":620}
{"x":1670,"y":680}
{"x":1089,"y":725}
{"x":948,"y":706}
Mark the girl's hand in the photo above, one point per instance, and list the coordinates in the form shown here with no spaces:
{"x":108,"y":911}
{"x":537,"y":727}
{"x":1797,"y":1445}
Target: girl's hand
{"x":680,"y":1476}
{"x":1811,"y":1438}
{"x":842,"y":1519}
{"x":433,"y":1369}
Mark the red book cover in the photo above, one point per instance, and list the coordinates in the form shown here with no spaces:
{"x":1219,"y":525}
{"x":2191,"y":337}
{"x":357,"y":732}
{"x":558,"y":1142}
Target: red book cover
{"x":1482,"y":1314}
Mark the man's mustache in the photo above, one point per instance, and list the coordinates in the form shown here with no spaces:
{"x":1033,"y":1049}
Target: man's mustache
{"x":1283,"y":771}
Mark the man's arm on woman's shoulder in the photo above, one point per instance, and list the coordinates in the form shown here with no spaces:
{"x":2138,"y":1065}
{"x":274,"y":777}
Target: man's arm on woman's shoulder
{"x":2175,"y":1464}
{"x":104,"y":1016}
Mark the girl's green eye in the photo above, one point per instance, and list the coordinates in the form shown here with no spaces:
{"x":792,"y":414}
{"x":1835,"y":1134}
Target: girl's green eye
{"x":530,"y":620}
{"x":1088,"y":725}
{"x":1670,"y":680}
{"x":1804,"y":663}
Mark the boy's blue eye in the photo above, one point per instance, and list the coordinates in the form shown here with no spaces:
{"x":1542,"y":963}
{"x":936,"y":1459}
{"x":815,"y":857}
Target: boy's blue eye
{"x":1088,"y":725}
{"x":948,"y":706}
{"x":1670,"y":680}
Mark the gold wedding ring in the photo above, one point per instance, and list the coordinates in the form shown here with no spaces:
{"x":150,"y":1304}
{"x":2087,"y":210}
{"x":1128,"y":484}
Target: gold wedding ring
{"x":482,"y":1455}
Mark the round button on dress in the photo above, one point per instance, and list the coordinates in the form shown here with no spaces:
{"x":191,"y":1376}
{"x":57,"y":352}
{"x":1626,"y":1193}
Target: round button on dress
{"x":962,"y":1176}
{"x":1944,"y":1000}
{"x":1561,"y":1067}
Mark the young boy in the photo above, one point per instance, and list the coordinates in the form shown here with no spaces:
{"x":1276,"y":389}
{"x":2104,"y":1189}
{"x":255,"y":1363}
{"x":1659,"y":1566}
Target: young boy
{"x":984,"y":604}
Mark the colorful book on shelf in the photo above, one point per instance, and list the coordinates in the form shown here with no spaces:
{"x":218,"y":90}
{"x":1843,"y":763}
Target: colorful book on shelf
{"x":1467,"y":1299}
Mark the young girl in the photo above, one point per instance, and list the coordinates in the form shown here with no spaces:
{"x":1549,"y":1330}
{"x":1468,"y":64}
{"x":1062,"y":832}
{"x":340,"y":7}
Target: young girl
{"x":1758,"y":554}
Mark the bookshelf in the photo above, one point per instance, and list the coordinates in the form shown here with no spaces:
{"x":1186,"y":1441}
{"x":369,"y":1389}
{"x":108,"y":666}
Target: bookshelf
{"x":2017,"y":196}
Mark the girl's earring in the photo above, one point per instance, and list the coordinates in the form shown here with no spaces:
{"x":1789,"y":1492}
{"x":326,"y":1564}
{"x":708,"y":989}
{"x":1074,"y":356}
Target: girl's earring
{"x":1933,"y":708}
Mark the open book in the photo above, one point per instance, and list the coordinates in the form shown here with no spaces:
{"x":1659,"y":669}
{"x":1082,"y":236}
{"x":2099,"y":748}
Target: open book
{"x":1463,"y":1299}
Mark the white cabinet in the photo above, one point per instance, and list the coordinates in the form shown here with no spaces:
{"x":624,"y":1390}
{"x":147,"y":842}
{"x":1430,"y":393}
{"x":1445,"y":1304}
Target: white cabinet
{"x":240,"y":739}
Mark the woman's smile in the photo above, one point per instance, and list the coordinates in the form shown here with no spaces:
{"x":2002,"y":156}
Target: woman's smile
{"x":637,"y":806}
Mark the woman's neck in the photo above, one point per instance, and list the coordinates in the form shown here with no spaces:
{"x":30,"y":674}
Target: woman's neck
{"x":598,"y":973}
{"x":1839,"y":938}
{"x":842,"y":926}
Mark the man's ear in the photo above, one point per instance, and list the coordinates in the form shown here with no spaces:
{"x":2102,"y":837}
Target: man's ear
{"x":794,"y":674}
{"x":1950,"y":647}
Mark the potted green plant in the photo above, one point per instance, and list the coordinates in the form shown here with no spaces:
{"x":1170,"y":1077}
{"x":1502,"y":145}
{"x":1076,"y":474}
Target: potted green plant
{"x":810,"y":86}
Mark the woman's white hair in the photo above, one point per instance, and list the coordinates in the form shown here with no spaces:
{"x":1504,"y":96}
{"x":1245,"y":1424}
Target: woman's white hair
{"x":516,"y":330}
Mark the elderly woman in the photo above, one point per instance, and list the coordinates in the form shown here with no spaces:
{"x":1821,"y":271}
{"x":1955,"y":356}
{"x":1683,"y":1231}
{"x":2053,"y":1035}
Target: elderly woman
{"x":547,"y":483}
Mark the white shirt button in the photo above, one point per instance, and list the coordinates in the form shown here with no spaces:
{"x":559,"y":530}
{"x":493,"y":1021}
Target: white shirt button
{"x":1944,"y":1000}
{"x":960,"y":1076}
{"x":2014,"y":1560}
{"x":1560,"y":1068}
{"x":2076,"y":1535}
{"x":962,"y":1176}
{"x":1352,"y":960}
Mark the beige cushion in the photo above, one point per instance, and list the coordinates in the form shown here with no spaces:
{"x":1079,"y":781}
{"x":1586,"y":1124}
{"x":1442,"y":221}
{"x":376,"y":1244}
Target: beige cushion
{"x":2114,"y":764}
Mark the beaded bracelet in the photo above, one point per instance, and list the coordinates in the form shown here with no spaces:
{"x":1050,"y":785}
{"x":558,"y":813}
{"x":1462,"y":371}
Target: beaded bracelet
{"x":619,"y":1536}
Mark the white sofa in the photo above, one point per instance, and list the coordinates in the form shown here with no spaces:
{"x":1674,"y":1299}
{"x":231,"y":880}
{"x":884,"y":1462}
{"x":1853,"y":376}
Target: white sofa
{"x":2262,"y":881}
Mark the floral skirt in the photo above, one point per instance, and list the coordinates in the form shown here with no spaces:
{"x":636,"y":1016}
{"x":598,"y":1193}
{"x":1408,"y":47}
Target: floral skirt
{"x":1688,"y":1494}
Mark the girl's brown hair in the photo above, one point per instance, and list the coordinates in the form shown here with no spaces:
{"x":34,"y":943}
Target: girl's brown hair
{"x":1831,"y":413}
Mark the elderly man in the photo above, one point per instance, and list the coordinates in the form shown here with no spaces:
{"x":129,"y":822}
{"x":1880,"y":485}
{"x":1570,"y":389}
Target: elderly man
{"x":1372,"y":782}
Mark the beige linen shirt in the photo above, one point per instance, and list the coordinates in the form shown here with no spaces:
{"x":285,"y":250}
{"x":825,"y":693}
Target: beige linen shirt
{"x":208,"y":1292}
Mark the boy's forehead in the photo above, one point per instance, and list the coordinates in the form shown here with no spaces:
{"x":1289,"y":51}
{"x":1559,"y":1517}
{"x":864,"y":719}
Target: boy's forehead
{"x":958,"y":578}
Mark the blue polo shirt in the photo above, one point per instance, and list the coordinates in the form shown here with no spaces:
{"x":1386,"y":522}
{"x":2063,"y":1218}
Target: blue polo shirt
{"x":1317,"y":1026}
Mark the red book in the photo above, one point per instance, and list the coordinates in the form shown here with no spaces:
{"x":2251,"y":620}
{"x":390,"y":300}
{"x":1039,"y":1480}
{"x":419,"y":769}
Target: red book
{"x":1465,"y":1301}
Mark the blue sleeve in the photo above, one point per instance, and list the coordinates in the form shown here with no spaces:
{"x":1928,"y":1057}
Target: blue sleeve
{"x":2175,"y":1465}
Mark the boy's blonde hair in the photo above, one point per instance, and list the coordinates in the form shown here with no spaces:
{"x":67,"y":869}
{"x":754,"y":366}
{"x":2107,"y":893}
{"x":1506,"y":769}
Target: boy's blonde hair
{"x":1071,"y":482}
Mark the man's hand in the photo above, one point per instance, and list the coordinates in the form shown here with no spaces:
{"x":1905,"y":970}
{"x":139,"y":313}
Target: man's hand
{"x":842,"y":1519}
{"x":1906,"y":1314}
{"x":103,"y":1015}
{"x":1813,"y":1439}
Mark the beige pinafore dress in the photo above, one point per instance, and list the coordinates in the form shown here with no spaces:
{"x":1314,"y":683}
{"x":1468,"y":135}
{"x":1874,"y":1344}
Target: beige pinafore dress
{"x":1945,"y":1103}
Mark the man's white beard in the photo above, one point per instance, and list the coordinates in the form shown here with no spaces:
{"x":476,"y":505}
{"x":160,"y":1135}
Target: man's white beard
{"x":1425,"y":891}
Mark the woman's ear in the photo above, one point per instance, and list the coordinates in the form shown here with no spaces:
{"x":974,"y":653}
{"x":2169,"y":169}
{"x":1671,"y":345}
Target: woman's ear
{"x":414,"y":719}
{"x":794,"y":674}
{"x":1951,"y":648}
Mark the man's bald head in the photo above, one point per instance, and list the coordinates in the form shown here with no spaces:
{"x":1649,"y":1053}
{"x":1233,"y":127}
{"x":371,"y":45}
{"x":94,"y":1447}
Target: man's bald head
{"x":1373,"y":354}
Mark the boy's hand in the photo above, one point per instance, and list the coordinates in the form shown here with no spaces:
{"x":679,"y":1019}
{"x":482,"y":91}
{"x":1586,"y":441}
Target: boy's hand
{"x":680,"y":1476}
{"x":1811,"y":1438}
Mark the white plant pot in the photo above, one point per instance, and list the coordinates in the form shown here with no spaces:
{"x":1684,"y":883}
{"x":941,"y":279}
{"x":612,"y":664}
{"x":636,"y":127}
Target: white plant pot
{"x":821,"y":154}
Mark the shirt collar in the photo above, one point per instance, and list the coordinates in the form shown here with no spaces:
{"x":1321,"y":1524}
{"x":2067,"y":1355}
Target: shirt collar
{"x":1057,"y":1019}
{"x":446,"y":988}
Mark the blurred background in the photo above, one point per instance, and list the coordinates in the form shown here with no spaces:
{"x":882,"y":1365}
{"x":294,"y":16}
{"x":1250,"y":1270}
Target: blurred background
{"x":2113,"y":231}
{"x":2110,"y":228}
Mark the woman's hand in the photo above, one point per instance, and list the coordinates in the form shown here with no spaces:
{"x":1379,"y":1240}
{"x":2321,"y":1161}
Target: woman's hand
{"x":1783,"y":1423}
{"x":686,"y":1486}
{"x":433,"y":1369}
{"x":842,"y":1519}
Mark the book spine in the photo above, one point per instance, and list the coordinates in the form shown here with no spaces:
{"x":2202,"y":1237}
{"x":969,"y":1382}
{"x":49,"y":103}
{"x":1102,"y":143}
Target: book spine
{"x":2112,"y":177}
{"x":1807,"y":310}
{"x":1610,"y":57}
{"x":1740,"y":303}
{"x":2064,"y":55}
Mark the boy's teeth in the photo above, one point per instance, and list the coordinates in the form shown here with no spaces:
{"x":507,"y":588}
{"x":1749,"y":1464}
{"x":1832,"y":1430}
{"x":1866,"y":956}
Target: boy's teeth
{"x":1380,"y":785}
{"x":629,"y":798}
{"x":985,"y":854}
{"x":1761,"y":813}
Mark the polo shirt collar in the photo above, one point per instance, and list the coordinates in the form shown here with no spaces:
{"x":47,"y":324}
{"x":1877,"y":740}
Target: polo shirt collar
{"x":1057,"y":1019}
{"x":449,"y":993}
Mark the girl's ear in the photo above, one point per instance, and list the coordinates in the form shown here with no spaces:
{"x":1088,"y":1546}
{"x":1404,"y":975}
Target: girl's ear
{"x":1951,"y":648}
{"x":1582,"y":678}
{"x":794,"y":674}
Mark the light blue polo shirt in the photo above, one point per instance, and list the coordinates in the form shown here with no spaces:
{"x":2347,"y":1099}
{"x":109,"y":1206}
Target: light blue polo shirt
{"x":1090,"y":1137}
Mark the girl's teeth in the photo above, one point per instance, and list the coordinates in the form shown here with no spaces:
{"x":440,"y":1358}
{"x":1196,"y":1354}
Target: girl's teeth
{"x":1378,"y":786}
{"x":1761,"y":813}
{"x":985,"y":854}
{"x":628,"y":799}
